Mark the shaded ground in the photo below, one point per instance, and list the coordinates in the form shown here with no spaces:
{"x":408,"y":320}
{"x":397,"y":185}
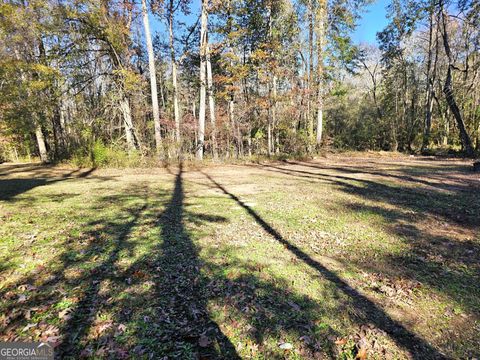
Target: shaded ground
{"x":342,"y":257}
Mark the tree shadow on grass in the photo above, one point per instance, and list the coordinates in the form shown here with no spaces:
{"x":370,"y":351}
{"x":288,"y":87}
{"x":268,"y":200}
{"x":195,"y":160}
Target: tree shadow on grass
{"x":418,"y":347}
{"x":449,"y":265}
{"x":265,"y":312}
{"x":405,"y":174}
{"x":10,"y":169}
{"x":95,"y":292}
{"x":179,"y":316}
{"x":81,"y":318}
{"x":44,"y":304}
{"x":9,"y":188}
{"x":98,"y":304}
{"x":454,"y":206}
{"x":94,"y":303}
{"x":185,"y":328}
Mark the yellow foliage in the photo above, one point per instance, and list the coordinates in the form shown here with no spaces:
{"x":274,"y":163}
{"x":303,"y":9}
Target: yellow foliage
{"x":130,"y":80}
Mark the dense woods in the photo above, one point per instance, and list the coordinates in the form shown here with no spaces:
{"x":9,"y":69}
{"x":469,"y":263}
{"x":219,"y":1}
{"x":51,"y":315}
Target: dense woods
{"x":92,"y":80}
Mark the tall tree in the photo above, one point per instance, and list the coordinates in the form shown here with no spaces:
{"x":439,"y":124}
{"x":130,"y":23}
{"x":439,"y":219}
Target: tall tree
{"x":430,"y":74}
{"x":203,"y":85}
{"x":153,"y":78}
{"x":172,"y":6}
{"x":311,"y":25}
{"x":211,"y":99}
{"x":320,"y":30}
{"x":448,"y":88}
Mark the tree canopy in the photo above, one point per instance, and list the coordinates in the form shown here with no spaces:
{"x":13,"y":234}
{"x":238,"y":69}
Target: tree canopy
{"x":81,"y":78}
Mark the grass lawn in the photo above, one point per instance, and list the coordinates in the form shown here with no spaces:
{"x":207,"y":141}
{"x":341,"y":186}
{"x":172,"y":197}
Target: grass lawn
{"x":342,"y":257}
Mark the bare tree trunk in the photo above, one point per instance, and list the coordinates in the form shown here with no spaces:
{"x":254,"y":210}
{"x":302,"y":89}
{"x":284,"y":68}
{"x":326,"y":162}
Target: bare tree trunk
{"x":194,"y":110}
{"x":310,"y":71}
{"x":231,"y":116}
{"x":321,"y":25}
{"x":429,"y":89}
{"x":446,"y":126}
{"x":465,"y":138}
{"x":320,"y":119}
{"x":269,"y":137}
{"x":195,"y":125}
{"x":203,"y":53}
{"x":393,"y":124}
{"x":274,"y":115}
{"x":448,"y":91}
{"x":477,"y":146}
{"x":211,"y":102}
{"x":271,"y":90}
{"x":240,"y":140}
{"x":231,"y":93}
{"x":64,"y":118}
{"x":162,"y":95}
{"x":373,"y":76}
{"x":176,"y":108}
{"x":57,"y":135}
{"x":127,"y":122}
{"x":153,"y":78}
{"x":42,"y":149}
{"x":269,"y":122}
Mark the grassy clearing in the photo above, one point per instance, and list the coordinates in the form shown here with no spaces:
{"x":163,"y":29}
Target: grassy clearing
{"x":341,"y":257}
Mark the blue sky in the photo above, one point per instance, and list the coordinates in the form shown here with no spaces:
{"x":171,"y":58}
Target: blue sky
{"x":373,"y":20}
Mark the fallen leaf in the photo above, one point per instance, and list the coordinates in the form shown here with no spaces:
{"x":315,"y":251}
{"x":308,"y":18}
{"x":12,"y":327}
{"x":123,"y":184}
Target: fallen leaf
{"x":139,"y":274}
{"x":65,"y":314}
{"x":341,"y":341}
{"x":27,"y":287}
{"x":362,"y":354}
{"x":54,"y":340}
{"x":9,"y":295}
{"x":27,"y":314}
{"x":105,"y":326}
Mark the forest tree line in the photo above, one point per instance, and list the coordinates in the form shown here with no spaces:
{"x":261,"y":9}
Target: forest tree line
{"x":83,"y":78}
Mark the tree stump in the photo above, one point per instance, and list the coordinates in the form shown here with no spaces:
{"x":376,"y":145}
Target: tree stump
{"x":476,"y":166}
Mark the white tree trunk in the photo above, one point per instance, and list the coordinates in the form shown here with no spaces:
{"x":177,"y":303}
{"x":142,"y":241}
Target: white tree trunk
{"x":176,"y":108}
{"x":127,"y":122}
{"x":231,"y":117}
{"x":321,"y":25}
{"x":319,"y":122}
{"x":274,"y":115}
{"x":310,"y":76}
{"x":42,"y":149}
{"x":211,"y":101}
{"x":194,"y":114}
{"x":203,"y":51}
{"x":153,"y":78}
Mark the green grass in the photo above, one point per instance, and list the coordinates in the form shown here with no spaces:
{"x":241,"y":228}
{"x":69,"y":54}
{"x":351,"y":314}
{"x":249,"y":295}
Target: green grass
{"x":293,"y":260}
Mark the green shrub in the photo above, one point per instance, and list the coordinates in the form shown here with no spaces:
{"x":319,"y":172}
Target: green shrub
{"x":101,"y":155}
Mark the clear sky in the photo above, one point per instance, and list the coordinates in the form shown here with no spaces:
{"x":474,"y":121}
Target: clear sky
{"x":373,"y":20}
